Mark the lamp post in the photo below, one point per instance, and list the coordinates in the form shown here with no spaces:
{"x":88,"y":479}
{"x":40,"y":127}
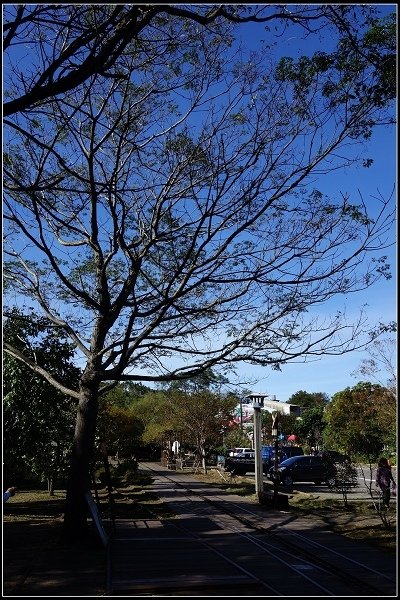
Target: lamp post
{"x":258,"y":403}
{"x":275,"y":419}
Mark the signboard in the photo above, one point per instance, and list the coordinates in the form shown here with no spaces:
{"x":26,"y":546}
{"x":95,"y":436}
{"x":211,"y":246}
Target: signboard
{"x":275,"y":419}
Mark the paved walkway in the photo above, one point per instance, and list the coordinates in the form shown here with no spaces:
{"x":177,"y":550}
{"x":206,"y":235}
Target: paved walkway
{"x":62,"y":571}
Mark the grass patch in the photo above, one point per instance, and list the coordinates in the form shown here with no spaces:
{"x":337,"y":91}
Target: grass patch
{"x":31,"y":504}
{"x":241,"y":489}
{"x":134,"y":500}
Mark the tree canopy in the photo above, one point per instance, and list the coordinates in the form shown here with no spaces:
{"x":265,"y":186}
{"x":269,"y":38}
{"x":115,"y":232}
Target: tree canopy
{"x":38,"y":421}
{"x":75,"y":42}
{"x":171,"y":230}
{"x":308,"y":399}
{"x":361,"y":420}
{"x":196,"y":416}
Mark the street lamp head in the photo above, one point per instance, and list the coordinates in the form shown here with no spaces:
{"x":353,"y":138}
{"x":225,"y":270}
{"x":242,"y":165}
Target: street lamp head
{"x":257,"y":399}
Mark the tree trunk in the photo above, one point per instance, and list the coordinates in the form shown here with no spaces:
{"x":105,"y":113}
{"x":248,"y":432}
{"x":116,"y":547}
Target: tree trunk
{"x":76,"y":509}
{"x":50,"y":485}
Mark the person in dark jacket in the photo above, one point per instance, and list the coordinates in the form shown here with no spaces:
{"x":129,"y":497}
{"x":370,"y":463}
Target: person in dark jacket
{"x":384,"y":479}
{"x":8,"y":493}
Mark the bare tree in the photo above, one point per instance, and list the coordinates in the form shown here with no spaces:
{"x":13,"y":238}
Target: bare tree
{"x":381,"y":363}
{"x":165,"y":216}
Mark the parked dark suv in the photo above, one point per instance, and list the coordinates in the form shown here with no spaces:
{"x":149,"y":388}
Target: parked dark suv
{"x":304,"y":468}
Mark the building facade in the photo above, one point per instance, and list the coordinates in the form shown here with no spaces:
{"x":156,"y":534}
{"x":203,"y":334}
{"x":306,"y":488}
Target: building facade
{"x":244,"y":410}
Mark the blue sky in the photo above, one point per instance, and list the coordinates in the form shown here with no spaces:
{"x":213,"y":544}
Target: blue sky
{"x":333,"y":373}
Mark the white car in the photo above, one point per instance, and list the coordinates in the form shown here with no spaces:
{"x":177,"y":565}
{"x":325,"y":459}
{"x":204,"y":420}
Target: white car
{"x":237,"y":451}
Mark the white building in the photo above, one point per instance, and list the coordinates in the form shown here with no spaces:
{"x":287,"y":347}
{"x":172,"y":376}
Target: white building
{"x":244,"y":410}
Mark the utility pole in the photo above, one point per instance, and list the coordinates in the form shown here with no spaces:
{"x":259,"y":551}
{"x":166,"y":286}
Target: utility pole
{"x":275,"y":421}
{"x":258,"y":403}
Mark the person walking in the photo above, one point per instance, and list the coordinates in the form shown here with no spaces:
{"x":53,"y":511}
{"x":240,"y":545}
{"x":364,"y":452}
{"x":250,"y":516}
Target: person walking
{"x":384,"y":479}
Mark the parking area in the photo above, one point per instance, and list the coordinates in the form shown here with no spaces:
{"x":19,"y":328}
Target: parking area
{"x":359,"y":493}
